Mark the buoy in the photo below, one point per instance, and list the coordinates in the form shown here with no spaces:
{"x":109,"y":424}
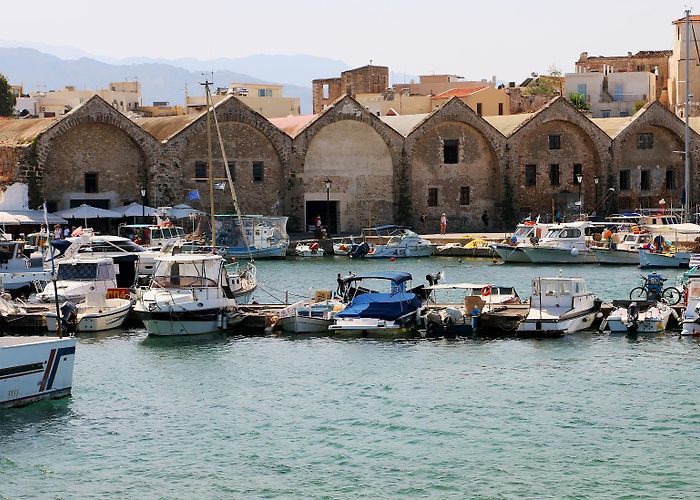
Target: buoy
{"x":574,"y":252}
{"x":392,"y":259}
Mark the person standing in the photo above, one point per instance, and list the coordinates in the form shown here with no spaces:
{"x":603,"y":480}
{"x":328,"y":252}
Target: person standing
{"x":66,"y":232}
{"x":485,"y":218}
{"x":443,"y":223}
{"x":57,"y":232}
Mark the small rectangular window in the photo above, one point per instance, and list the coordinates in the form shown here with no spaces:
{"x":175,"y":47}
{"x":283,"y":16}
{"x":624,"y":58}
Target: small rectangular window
{"x":500,"y":108}
{"x":605,"y":113}
{"x":326,"y":91}
{"x":258,"y":171}
{"x":645,"y":141}
{"x":624,"y":180}
{"x":464,"y":193}
{"x":51,"y":206}
{"x":670,"y":179}
{"x":91,"y":182}
{"x":554,"y":141}
{"x":450,"y":151}
{"x":432,"y":197}
{"x":478,"y":109}
{"x":530,"y":175}
{"x":645,"y":180}
{"x":578,"y":170}
{"x":554,"y":174}
{"x":200,"y":171}
{"x":232,"y":170}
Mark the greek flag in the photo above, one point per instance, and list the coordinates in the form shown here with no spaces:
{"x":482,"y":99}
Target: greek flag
{"x":193,"y":195}
{"x":220,"y":186}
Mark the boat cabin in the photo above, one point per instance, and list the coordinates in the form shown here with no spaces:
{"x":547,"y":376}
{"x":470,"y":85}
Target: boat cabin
{"x":188,"y":271}
{"x":557,"y":292}
{"x":152,"y":235}
{"x":86,"y":270}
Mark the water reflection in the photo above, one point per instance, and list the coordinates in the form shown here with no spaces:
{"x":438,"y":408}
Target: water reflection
{"x":45,"y":413}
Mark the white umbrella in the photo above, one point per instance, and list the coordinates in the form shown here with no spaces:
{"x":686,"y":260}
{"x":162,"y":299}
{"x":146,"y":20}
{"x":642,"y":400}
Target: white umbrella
{"x":135,"y":210}
{"x":181,"y":211}
{"x":88,"y":212}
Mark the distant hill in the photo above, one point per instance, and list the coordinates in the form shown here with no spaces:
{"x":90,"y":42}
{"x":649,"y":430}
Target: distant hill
{"x":163,"y":80}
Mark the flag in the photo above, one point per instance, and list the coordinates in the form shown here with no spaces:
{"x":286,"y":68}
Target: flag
{"x":220,"y":186}
{"x":193,"y":195}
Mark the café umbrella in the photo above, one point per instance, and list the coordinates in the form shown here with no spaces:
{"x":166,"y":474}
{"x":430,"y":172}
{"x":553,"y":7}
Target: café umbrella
{"x":86,"y":212}
{"x":136,"y":210}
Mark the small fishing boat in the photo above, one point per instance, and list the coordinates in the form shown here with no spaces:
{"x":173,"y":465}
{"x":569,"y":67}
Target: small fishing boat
{"x":563,"y":244}
{"x":261,"y":237}
{"x":35,"y":368}
{"x":649,"y":258}
{"x":638,"y":317}
{"x":382,"y":313}
{"x":624,"y":252}
{"x":343,"y":246}
{"x":526,"y":234}
{"x":312,"y":249}
{"x":385,"y":242}
{"x":18,"y":272}
{"x":477,"y":247}
{"x":559,"y":306}
{"x":309,"y":317}
{"x":188,"y":295}
{"x":96,"y":314}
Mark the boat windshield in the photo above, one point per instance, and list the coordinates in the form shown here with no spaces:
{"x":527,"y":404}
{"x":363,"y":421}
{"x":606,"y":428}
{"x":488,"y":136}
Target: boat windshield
{"x":523,"y":232}
{"x":174,"y":274}
{"x":167,"y":232}
{"x":85,"y":271}
{"x":104,"y":246}
{"x":553,"y":233}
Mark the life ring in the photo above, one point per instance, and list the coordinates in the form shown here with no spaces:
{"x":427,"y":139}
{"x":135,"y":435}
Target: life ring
{"x":314,"y":246}
{"x":486,"y":291}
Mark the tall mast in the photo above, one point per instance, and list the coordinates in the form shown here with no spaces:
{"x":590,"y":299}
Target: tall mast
{"x":686,"y":207}
{"x":210,"y":169}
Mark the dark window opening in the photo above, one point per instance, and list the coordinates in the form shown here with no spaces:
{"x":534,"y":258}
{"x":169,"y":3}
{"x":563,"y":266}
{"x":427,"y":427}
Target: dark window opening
{"x":258,"y":171}
{"x":91,"y":182}
{"x":478,"y":109}
{"x":500,"y":108}
{"x":51,"y":206}
{"x":645,"y":141}
{"x":554,"y":174}
{"x":232,"y":170}
{"x":464,"y":193}
{"x":624,"y":180}
{"x":200,"y":171}
{"x":554,"y":141}
{"x":645,"y":181}
{"x":432,"y":197}
{"x":530,"y":175}
{"x":450,"y":151}
{"x":670,"y":178}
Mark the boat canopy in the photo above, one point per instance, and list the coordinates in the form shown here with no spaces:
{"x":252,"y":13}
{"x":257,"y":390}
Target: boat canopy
{"x":395,"y":276}
{"x":384,"y":306}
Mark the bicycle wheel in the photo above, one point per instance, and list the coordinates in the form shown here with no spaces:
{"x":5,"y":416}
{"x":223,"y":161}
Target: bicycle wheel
{"x":639,"y":293}
{"x":671,"y":296}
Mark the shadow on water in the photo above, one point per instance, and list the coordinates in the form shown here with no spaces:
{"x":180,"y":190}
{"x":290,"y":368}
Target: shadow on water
{"x":204,"y":339}
{"x":48,"y":412}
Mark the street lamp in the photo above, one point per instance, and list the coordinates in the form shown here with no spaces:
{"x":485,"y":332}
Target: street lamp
{"x":579,"y":180}
{"x":328,"y":183}
{"x":143,"y":202}
{"x":596,"y":180}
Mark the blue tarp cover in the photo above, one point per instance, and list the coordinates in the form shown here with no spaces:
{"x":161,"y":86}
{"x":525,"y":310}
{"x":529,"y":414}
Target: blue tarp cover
{"x":381,"y":306}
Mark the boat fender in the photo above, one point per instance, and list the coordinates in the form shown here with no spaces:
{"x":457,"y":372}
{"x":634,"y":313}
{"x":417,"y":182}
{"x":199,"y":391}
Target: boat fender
{"x":685,"y":295}
{"x":598,"y":315}
{"x":574,"y":252}
{"x":486,"y":291}
{"x":220,"y":320}
{"x":314,"y":246}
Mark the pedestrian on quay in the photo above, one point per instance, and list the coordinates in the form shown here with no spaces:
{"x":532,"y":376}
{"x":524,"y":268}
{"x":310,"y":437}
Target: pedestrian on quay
{"x":485,"y":218}
{"x":443,"y":223}
{"x":57,"y":232}
{"x":66,"y":232}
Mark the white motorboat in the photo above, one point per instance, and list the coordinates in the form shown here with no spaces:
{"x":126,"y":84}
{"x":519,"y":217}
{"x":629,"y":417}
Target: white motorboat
{"x":385,"y":242}
{"x":17,"y":271}
{"x":96,"y":314}
{"x":309,"y":317}
{"x":626,"y":251}
{"x":559,"y":306}
{"x":525,"y":235}
{"x":631,"y":317}
{"x":155,"y":236}
{"x":309,"y":250}
{"x":649,"y":258}
{"x":343,"y":246}
{"x":261,"y":237}
{"x":691,"y":314}
{"x":188,"y":295}
{"x":76,"y":278}
{"x":563,"y":244}
{"x":35,"y":368}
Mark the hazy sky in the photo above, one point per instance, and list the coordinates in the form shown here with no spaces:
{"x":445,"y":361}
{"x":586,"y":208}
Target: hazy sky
{"x":475,"y":39}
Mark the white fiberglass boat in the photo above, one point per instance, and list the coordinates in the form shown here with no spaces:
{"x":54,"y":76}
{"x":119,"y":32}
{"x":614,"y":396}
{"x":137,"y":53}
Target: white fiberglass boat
{"x":17,"y":271}
{"x":563,"y":244}
{"x":631,"y":317}
{"x":188,"y":295}
{"x":309,"y":317}
{"x":649,"y":259}
{"x":559,"y":306}
{"x":35,"y":368}
{"x":96,"y":314}
{"x":385,"y":242}
{"x":525,"y":234}
{"x":624,"y":252}
{"x":309,"y":250}
{"x":691,"y":315}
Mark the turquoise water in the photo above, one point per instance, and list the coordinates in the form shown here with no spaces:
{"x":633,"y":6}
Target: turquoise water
{"x":586,"y":416}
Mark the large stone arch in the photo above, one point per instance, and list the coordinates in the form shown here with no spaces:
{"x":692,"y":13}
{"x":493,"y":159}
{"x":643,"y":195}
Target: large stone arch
{"x":251,"y":144}
{"x":359,"y":154}
{"x":465,"y":188}
{"x":94,"y":139}
{"x":582,"y":145}
{"x":658,"y":162}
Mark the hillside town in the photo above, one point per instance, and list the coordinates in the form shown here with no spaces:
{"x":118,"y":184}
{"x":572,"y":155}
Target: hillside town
{"x":607,"y":137}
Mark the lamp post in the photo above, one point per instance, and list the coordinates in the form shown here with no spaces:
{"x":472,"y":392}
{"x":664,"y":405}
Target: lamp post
{"x":143,"y":202}
{"x":328,"y":183}
{"x":596,"y":180}
{"x":579,"y":180}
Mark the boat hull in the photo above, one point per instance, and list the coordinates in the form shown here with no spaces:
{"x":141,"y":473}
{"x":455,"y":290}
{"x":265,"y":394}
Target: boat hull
{"x":543,"y":255}
{"x":649,"y":260}
{"x":622,"y":257}
{"x":510,"y":254}
{"x":35,"y":368}
{"x":372,"y":327}
{"x":93,"y":319}
{"x":273,"y":252}
{"x":555,"y":327}
{"x":304,"y":324}
{"x":182,"y":323}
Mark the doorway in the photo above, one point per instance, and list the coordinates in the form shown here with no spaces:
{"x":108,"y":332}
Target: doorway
{"x":319,"y":208}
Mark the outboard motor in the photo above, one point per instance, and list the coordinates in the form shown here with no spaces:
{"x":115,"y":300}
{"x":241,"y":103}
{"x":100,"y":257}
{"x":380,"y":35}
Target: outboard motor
{"x":360,"y":251}
{"x":69,"y":317}
{"x":632,"y":317}
{"x":433,"y":279}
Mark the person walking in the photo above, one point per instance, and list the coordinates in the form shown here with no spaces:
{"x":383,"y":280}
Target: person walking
{"x":485,"y":218}
{"x":443,"y":223}
{"x":57,"y":232}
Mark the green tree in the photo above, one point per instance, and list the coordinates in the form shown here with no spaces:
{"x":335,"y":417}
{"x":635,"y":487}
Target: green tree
{"x":579,"y":101}
{"x":7,"y":98}
{"x":639,"y":105}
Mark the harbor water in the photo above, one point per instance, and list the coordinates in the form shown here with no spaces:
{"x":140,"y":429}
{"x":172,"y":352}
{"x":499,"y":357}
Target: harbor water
{"x":585,"y":416}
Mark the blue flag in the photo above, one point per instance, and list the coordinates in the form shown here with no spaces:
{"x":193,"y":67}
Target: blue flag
{"x":193,"y":195}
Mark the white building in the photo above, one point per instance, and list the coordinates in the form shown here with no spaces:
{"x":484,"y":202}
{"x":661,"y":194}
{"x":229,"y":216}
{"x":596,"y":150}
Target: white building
{"x":612,"y":94}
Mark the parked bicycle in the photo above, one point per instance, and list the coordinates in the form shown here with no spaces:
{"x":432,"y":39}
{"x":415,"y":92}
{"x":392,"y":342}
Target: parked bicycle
{"x":653,"y":289}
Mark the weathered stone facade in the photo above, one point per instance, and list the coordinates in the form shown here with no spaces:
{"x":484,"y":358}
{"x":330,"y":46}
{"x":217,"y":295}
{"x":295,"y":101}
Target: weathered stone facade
{"x":391,"y":170}
{"x":368,"y":79}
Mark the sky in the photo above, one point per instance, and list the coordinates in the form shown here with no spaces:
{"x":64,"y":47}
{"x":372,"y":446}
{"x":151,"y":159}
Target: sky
{"x":475,"y":39}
